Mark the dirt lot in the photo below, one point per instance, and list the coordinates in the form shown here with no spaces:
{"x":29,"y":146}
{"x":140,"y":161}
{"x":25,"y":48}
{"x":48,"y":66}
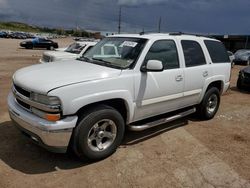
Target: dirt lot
{"x":187,"y":153}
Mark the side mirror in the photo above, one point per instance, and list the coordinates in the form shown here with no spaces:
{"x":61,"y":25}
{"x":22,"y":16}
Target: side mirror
{"x":152,"y":66}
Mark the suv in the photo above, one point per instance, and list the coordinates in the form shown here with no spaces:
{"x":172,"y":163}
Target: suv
{"x":85,"y":106}
{"x":73,"y":51}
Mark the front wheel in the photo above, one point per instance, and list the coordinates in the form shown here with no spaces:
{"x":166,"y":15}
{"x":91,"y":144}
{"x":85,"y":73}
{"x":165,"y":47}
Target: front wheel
{"x":210,"y":104}
{"x":98,"y":133}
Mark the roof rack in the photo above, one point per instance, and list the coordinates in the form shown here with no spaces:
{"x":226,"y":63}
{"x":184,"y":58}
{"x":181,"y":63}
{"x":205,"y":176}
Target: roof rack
{"x":192,"y":34}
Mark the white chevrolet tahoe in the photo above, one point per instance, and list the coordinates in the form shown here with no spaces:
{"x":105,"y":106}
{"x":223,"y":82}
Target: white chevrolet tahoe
{"x":85,"y":105}
{"x":73,"y":51}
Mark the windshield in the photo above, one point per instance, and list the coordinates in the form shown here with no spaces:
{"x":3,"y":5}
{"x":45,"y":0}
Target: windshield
{"x":75,"y":48}
{"x":117,"y":52}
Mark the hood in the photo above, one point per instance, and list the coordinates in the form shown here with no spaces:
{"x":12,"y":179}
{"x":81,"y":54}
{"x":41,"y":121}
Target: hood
{"x":60,"y":54}
{"x":246,"y":70}
{"x":44,"y":77}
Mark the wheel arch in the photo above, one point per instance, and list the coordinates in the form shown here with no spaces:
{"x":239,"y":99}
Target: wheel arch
{"x":219,"y":84}
{"x":117,"y":103}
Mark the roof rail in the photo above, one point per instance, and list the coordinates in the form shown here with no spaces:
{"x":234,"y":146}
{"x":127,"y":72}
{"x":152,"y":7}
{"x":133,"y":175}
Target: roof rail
{"x":148,"y":32}
{"x":192,"y":34}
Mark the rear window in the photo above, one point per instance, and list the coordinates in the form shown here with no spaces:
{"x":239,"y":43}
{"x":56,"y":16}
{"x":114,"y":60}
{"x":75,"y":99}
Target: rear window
{"x":217,"y":51}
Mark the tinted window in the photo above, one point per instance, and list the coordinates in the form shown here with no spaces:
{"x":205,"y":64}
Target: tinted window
{"x":193,"y":53}
{"x":164,"y":51}
{"x":217,"y":51}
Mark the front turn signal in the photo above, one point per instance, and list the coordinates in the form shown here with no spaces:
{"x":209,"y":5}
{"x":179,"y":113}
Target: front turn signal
{"x":52,"y":117}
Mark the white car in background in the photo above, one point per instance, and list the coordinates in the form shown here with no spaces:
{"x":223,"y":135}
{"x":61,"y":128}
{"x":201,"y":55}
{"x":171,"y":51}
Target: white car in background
{"x":73,"y":51}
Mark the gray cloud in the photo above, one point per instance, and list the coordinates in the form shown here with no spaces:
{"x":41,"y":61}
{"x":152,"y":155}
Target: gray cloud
{"x":202,"y":16}
{"x":140,"y":2}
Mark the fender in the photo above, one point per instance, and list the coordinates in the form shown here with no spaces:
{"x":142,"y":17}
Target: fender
{"x":210,"y":80}
{"x":80,"y":102}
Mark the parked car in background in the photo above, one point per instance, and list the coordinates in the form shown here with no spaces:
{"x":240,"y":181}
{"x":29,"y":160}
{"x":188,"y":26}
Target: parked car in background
{"x":73,"y":51}
{"x":39,"y":43}
{"x":231,"y":57}
{"x":242,"y":56}
{"x":3,"y":34}
{"x":243,"y":81}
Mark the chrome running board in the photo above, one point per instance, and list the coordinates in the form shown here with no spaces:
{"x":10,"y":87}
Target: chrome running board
{"x":151,"y":124}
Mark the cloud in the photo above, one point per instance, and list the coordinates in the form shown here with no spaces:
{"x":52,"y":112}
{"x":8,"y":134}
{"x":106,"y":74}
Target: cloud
{"x":3,"y":4}
{"x":140,"y":2}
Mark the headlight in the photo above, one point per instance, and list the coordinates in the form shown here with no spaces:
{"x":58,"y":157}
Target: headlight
{"x":44,"y":99}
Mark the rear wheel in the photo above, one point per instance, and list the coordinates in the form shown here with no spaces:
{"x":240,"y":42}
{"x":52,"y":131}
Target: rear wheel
{"x":50,"y":48}
{"x":248,"y":63}
{"x":210,"y":104}
{"x":98,"y":133}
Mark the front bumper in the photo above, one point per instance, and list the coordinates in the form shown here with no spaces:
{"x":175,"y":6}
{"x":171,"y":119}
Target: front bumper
{"x":53,"y":136}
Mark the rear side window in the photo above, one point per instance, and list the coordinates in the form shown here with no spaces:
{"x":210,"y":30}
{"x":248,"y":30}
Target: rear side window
{"x":217,"y":51}
{"x":193,"y":53}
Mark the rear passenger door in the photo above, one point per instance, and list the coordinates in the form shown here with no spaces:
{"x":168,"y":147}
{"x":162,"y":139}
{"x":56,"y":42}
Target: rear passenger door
{"x":196,"y":71}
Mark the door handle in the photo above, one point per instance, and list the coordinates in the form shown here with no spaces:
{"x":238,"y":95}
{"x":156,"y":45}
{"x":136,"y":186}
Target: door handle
{"x":205,"y":73}
{"x":179,"y":78}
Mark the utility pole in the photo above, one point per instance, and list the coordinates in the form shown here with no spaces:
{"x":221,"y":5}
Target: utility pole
{"x":120,"y":16}
{"x":159,"y":25}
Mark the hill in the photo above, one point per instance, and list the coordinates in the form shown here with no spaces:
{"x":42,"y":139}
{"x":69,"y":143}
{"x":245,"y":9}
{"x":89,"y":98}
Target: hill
{"x":16,"y":26}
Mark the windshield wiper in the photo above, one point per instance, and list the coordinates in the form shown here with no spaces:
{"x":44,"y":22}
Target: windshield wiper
{"x":107,"y":63}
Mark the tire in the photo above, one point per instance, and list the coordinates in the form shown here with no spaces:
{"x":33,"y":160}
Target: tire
{"x":30,"y":46}
{"x":50,"y":48}
{"x":248,"y":63}
{"x":98,"y":133}
{"x":210,"y":104}
{"x":239,"y":84}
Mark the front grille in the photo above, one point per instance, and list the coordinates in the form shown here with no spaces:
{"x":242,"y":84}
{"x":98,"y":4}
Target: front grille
{"x":22,"y":91}
{"x":46,"y":58}
{"x":24,"y":105}
{"x":25,"y":93}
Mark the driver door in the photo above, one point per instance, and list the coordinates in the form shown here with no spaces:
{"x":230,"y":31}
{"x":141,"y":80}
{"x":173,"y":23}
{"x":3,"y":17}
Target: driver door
{"x":160,"y":92}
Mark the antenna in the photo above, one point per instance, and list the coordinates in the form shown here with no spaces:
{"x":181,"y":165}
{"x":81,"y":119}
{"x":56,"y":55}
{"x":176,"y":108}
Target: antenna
{"x":119,"y":23}
{"x":159,"y":25}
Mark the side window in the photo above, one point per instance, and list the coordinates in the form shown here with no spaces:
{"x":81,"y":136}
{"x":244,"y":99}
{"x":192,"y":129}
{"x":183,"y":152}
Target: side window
{"x":109,"y":50}
{"x":217,"y":51}
{"x":193,"y":53}
{"x":164,"y":51}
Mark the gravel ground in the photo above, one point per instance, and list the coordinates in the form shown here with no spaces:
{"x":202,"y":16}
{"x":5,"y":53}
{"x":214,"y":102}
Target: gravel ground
{"x":185,"y":153}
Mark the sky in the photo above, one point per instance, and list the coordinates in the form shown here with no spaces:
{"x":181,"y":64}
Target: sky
{"x":195,"y":16}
